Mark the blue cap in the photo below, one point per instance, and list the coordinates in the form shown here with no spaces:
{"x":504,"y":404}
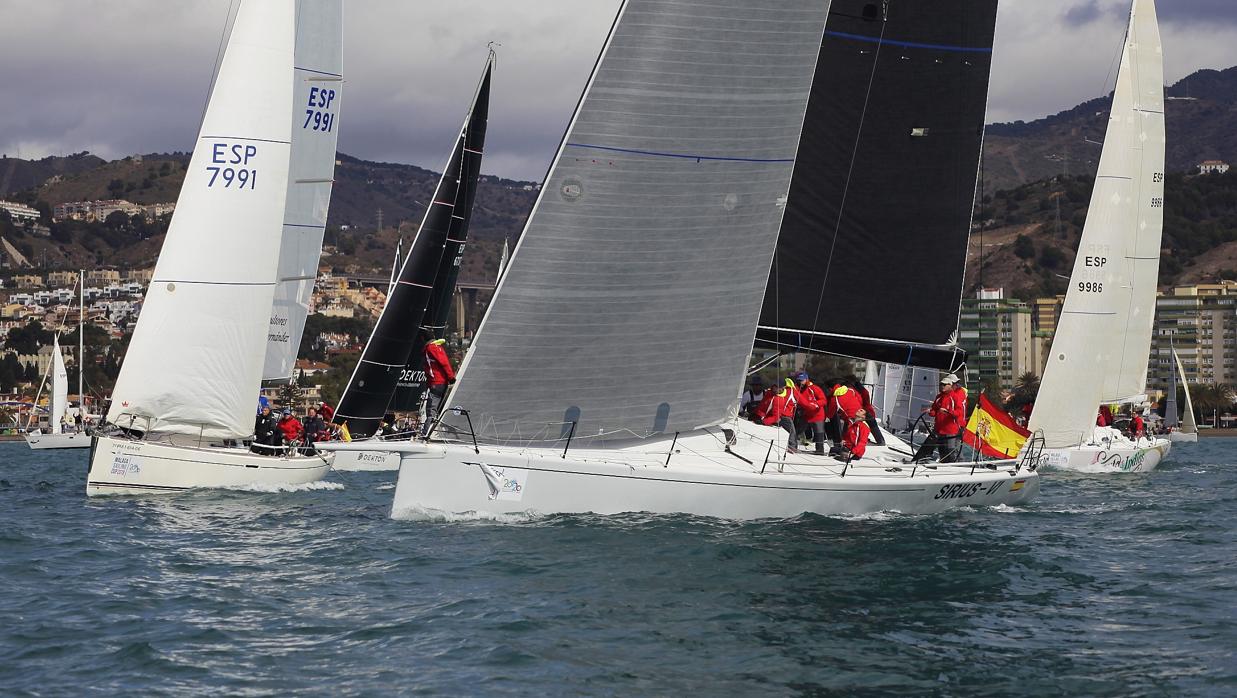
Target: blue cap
{"x":801,"y":376}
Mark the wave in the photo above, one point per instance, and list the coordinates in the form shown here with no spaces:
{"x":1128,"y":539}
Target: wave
{"x":416,"y":513}
{"x":320,"y":485}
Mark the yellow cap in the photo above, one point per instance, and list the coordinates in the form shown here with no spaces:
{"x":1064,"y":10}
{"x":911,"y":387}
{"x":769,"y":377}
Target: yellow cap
{"x":840,"y":391}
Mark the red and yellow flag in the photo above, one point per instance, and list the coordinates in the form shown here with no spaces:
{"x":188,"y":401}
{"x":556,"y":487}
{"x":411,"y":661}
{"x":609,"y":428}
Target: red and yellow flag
{"x":993,"y":432}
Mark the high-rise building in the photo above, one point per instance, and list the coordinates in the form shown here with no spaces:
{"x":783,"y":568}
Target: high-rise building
{"x":997,"y":336}
{"x":1200,"y":320}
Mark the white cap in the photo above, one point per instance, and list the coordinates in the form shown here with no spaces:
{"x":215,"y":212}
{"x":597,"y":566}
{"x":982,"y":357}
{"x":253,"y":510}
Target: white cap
{"x":950,"y":379}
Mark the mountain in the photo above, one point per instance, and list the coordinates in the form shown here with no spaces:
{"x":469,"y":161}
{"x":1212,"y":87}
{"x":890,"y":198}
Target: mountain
{"x":17,"y":174}
{"x":1201,"y":113}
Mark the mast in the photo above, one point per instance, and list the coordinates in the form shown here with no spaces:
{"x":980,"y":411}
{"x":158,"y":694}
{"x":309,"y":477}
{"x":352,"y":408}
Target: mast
{"x":81,"y":343}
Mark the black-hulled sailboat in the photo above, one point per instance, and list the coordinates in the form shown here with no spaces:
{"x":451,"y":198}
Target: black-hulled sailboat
{"x":419,"y":298}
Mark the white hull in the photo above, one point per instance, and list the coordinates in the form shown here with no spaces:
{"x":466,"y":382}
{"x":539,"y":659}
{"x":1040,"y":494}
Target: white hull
{"x":701,"y":478}
{"x":1109,"y":452}
{"x":357,"y":461}
{"x":39,"y":441}
{"x":121,"y":466}
{"x":1181,"y":437}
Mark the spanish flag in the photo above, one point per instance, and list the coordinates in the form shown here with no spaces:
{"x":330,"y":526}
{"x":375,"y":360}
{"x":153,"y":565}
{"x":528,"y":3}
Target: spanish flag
{"x":993,"y":432}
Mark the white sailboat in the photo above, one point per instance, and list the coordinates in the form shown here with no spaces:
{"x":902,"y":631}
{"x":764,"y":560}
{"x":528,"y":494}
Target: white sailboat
{"x":1100,"y":351}
{"x":606,"y":374}
{"x":61,"y":437}
{"x":185,"y":398}
{"x":1185,"y":429}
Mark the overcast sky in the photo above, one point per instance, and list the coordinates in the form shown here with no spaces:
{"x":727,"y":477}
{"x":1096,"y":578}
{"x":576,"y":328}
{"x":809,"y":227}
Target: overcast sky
{"x":117,"y":77}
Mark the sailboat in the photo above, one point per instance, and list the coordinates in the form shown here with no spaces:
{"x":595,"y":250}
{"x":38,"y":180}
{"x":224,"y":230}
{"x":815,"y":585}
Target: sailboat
{"x":1183,"y":429}
{"x":606,"y":374}
{"x":59,"y":436}
{"x":184,"y":402}
{"x":390,"y":374}
{"x":1103,"y":340}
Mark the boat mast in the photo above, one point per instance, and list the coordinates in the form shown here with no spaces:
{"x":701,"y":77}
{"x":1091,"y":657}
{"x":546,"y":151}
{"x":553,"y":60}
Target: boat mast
{"x":81,"y":342}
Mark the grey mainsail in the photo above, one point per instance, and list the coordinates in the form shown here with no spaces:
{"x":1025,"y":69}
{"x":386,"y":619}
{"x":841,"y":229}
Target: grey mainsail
{"x":630,"y":303}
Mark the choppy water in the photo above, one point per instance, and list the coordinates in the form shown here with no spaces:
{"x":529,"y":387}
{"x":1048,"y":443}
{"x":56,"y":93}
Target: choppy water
{"x":1121,"y":586}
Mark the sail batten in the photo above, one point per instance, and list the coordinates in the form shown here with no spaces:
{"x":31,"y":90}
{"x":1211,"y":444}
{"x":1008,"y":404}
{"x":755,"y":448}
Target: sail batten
{"x":630,"y":302}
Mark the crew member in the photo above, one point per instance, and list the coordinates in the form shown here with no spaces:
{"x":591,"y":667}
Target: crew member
{"x":265,"y":432}
{"x":812,"y":404}
{"x":865,"y":398}
{"x":782,"y":413}
{"x":1104,"y":419}
{"x":1138,"y":428}
{"x":857,"y":432}
{"x":291,"y":428}
{"x":752,"y":397}
{"x":843,"y":404}
{"x":948,"y":412}
{"x":438,"y":375}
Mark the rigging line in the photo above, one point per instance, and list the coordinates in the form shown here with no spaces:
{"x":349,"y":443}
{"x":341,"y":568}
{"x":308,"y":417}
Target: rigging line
{"x":850,"y":170}
{"x":214,"y":73}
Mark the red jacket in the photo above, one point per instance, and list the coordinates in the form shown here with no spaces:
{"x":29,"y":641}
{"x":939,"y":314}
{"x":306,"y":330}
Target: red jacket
{"x":1105,"y":417}
{"x":437,"y":365}
{"x":847,"y":402}
{"x":949,"y":412}
{"x":812,"y":402}
{"x":764,"y":408}
{"x":856,"y":439}
{"x":1137,"y":428}
{"x":291,"y":428}
{"x":783,"y":405}
{"x":326,"y":412}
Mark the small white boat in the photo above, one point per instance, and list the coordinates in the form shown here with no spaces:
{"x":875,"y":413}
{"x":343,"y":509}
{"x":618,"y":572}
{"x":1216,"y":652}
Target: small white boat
{"x":1099,"y":354}
{"x":59,"y":437}
{"x":233,"y":277}
{"x":1185,"y":429}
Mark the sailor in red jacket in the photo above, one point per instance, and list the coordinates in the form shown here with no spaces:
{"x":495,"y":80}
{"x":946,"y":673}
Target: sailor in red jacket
{"x":782,"y":413}
{"x":1138,"y":428}
{"x":812,"y":405}
{"x":291,"y":428}
{"x":948,"y":412}
{"x":844,"y":402}
{"x":865,"y":398}
{"x":438,"y":375}
{"x":855,"y":444}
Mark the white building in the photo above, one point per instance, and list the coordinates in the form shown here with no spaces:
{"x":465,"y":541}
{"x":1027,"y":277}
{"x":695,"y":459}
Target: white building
{"x":20,"y":213}
{"x":1213,"y":167}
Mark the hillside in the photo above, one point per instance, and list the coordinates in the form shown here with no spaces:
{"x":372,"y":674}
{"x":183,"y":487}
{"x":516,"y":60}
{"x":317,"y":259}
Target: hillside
{"x":1030,"y":233}
{"x":1202,"y":125}
{"x":17,"y":174}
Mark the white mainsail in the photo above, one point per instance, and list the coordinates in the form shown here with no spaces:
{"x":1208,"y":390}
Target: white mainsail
{"x":1100,"y":350}
{"x":317,"y":95}
{"x":630,"y":302}
{"x":1145,"y":134}
{"x":194,"y":364}
{"x":1188,"y":424}
{"x":60,"y":387}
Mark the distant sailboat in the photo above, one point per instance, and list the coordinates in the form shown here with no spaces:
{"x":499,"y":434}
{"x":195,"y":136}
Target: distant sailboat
{"x":606,"y":374}
{"x":1100,"y":351}
{"x":390,"y":374}
{"x":59,"y":436}
{"x":1183,"y":429}
{"x":234,"y":266}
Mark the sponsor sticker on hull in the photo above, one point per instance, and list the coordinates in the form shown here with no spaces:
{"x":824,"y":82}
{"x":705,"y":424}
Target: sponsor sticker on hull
{"x":505,"y":483}
{"x":126,"y":464}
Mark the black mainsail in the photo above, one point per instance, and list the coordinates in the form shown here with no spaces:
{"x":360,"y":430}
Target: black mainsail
{"x":872,"y":250}
{"x":422,"y":291}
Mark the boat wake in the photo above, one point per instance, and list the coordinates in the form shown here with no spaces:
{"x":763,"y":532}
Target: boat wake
{"x":438,"y":516}
{"x":320,"y":485}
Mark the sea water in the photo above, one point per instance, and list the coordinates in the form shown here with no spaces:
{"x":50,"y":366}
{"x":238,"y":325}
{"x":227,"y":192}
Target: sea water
{"x":1104,"y":586}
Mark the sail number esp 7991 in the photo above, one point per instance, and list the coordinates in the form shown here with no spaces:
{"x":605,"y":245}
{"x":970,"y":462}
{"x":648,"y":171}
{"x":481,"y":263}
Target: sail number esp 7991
{"x":224,"y":158}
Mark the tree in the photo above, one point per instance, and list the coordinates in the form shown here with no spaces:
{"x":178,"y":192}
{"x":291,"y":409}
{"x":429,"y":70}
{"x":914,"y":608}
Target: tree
{"x":290,"y":395}
{"x":1024,"y":247}
{"x":1026,"y":388}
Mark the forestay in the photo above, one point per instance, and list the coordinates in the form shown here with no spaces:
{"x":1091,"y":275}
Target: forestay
{"x":630,"y":304}
{"x":1094,"y":359}
{"x":317,"y":97}
{"x":194,"y":364}
{"x":871,"y":257}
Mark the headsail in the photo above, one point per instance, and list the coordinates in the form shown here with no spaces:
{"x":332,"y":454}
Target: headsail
{"x":1188,"y":424}
{"x":630,"y":303}
{"x":194,"y":364}
{"x":411,"y":384}
{"x":317,"y":96}
{"x":872,"y":251}
{"x":1100,"y":350}
{"x":438,"y":244}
